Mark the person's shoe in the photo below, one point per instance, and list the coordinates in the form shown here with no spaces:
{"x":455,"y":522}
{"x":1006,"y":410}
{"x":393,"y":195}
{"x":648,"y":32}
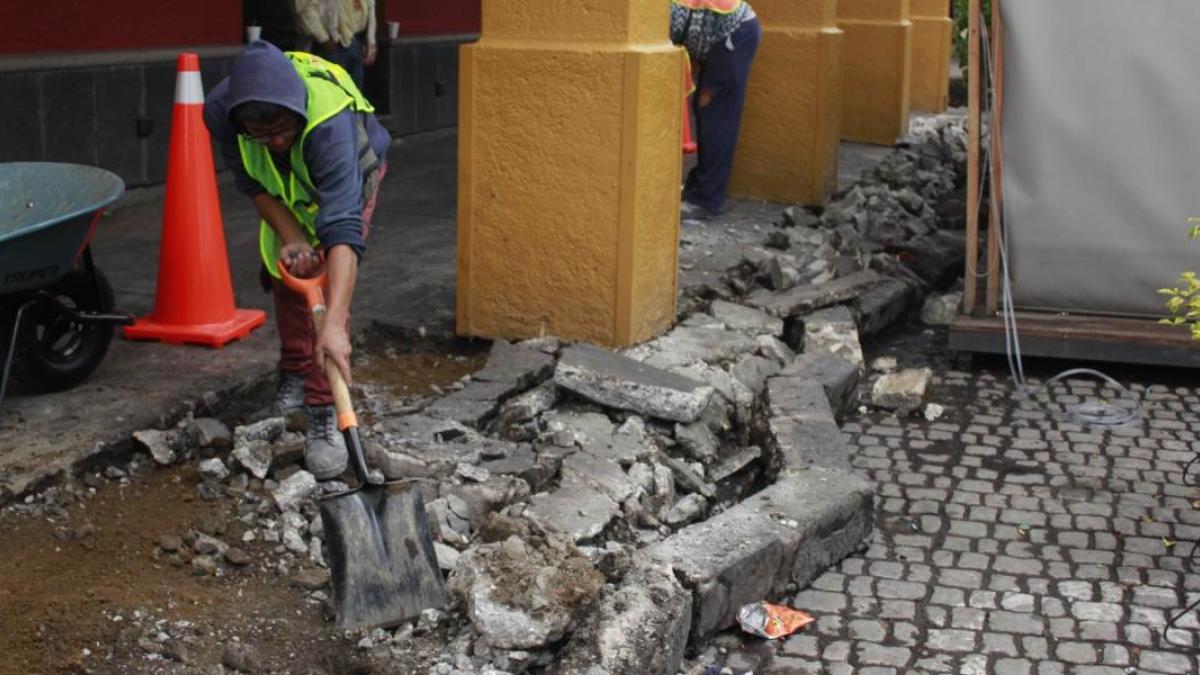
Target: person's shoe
{"x":289,"y":393}
{"x":690,"y":211}
{"x":325,"y":453}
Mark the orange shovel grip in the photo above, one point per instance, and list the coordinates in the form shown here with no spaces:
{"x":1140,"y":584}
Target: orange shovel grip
{"x":312,"y":288}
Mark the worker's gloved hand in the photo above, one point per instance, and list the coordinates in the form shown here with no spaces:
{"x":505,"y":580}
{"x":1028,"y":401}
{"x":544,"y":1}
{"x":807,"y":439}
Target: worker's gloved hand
{"x":300,"y":259}
{"x":334,"y":343}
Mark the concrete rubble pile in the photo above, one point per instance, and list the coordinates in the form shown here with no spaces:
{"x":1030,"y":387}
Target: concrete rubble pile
{"x":601,"y":512}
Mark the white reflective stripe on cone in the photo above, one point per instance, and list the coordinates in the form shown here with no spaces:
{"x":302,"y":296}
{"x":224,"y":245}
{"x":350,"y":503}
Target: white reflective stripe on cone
{"x":188,"y":87}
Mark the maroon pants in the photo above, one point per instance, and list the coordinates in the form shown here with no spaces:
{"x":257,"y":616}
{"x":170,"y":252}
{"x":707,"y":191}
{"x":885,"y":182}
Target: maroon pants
{"x":297,"y":336}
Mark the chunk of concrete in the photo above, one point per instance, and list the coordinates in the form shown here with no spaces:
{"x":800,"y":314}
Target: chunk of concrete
{"x":787,"y":533}
{"x":803,"y":299}
{"x":256,"y":456}
{"x":522,"y":408}
{"x":939,"y":310}
{"x":472,"y":405}
{"x":294,"y":490}
{"x":525,"y":593}
{"x":158,"y":444}
{"x":883,"y":305}
{"x":689,"y":344}
{"x":697,"y":440}
{"x":639,"y":628}
{"x":575,"y":509}
{"x":519,"y":366}
{"x":833,"y":331}
{"x":753,"y":371}
{"x":602,"y":474}
{"x":620,"y":382}
{"x":214,"y":469}
{"x":208,"y":432}
{"x":903,"y":391}
{"x":748,"y":320}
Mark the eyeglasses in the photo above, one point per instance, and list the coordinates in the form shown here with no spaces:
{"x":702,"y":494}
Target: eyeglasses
{"x":282,"y":134}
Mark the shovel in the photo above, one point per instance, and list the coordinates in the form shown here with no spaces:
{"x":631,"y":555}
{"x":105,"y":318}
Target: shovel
{"x":383,"y":566}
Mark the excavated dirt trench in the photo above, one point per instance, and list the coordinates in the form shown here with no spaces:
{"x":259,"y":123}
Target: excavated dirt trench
{"x":82,"y":589}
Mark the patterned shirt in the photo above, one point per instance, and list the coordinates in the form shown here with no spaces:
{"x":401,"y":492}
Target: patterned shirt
{"x":699,"y":29}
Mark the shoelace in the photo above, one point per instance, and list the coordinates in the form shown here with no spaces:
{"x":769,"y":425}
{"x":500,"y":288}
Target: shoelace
{"x":291,"y":387}
{"x":322,"y":424}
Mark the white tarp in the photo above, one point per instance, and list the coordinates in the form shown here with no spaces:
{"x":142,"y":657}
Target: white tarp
{"x":1101,"y":151}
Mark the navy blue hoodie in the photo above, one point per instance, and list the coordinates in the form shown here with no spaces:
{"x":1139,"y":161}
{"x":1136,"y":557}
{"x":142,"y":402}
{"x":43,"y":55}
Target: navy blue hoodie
{"x":263,"y":73}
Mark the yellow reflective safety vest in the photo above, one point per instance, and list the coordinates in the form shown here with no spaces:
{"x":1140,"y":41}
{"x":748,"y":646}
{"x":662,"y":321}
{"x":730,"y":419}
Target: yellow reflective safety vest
{"x":718,"y":6}
{"x":330,"y":91}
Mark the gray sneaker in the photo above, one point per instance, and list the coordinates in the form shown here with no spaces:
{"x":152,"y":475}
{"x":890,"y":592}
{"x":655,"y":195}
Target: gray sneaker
{"x":289,"y":393}
{"x":324,"y":446}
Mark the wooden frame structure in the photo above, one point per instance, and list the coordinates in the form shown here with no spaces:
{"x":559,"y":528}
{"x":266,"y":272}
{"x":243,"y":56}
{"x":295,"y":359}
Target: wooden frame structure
{"x":980,"y":327}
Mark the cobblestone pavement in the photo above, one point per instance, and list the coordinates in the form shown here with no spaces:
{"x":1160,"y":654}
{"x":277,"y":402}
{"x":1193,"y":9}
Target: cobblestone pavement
{"x":1010,"y":541}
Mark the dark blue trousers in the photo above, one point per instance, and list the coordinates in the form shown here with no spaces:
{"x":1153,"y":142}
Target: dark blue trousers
{"x":724,"y":73}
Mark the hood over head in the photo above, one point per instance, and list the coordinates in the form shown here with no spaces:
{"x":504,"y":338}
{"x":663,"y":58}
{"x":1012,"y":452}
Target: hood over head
{"x":263,"y":73}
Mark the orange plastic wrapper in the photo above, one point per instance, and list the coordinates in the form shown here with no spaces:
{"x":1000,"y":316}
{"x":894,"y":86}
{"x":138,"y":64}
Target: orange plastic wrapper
{"x":772,"y":621}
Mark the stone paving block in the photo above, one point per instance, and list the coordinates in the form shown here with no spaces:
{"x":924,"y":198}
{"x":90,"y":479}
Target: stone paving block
{"x":620,"y":382}
{"x":808,"y":298}
{"x":789,"y":532}
{"x":748,"y":320}
{"x":837,"y":376}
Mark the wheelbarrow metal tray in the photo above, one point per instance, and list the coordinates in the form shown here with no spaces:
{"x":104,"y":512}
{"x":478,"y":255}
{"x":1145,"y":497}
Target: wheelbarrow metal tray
{"x":46,"y":216}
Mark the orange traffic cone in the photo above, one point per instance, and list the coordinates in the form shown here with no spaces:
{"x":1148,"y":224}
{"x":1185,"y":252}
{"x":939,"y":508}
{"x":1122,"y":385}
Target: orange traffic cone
{"x":194,"y":301}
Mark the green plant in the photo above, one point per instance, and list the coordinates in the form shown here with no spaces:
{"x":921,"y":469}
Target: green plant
{"x":961,"y":12}
{"x":1183,"y":302}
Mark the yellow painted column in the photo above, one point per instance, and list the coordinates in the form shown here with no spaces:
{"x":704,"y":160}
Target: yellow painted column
{"x":569,"y":168}
{"x":792,"y":122}
{"x":933,"y":34}
{"x":877,"y":58}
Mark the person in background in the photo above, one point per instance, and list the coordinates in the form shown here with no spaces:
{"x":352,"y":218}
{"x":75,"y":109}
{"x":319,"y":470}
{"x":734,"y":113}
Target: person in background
{"x":721,"y":38}
{"x":342,"y":31}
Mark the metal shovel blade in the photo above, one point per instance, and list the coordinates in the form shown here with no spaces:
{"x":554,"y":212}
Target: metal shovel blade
{"x":381,"y":557}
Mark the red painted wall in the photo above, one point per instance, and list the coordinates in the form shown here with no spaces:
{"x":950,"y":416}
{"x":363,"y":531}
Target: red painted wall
{"x":70,"y":25}
{"x":430,"y":17}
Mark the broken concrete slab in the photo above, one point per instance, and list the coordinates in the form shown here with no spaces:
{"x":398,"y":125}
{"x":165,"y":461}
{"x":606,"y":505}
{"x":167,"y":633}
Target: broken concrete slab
{"x":621,"y":382}
{"x":207,"y":432}
{"x":602,"y":474}
{"x":833,"y":331}
{"x":688,"y":344}
{"x":903,"y":391}
{"x":728,"y":386}
{"x":472,"y":405}
{"x":398,"y":465}
{"x":639,"y":628}
{"x":788,"y":533}
{"x":525,"y":594}
{"x":803,"y":299}
{"x":734,"y":463}
{"x":476,"y":501}
{"x":256,"y":456}
{"x":597,"y":435}
{"x":837,"y":376}
{"x":575,"y":509}
{"x":882,"y":305}
{"x":753,"y":371}
{"x":748,"y":320}
{"x":522,"y":408}
{"x":293,"y":490}
{"x":697,"y":440}
{"x":775,"y":349}
{"x":523,"y":463}
{"x":685,"y":477}
{"x":432,"y":439}
{"x":517,"y":365}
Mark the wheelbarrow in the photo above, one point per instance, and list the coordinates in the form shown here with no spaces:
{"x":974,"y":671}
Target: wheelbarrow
{"x":57,"y":306}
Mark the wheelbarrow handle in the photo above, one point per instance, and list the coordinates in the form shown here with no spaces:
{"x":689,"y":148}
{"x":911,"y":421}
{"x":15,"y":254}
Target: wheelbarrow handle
{"x":313,"y":290}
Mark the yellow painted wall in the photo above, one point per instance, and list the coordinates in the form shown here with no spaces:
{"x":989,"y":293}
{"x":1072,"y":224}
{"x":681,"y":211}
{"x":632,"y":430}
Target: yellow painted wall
{"x":569,"y":171}
{"x":877,"y":65}
{"x":933,"y":33}
{"x":792,"y":123}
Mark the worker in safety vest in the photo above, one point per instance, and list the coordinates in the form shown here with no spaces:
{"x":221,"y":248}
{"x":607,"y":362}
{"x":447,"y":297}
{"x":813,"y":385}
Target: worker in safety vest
{"x":304,"y":145}
{"x":721,"y":37}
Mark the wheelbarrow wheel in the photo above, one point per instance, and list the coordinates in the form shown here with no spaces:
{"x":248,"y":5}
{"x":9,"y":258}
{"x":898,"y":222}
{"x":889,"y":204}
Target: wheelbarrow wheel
{"x":55,"y":352}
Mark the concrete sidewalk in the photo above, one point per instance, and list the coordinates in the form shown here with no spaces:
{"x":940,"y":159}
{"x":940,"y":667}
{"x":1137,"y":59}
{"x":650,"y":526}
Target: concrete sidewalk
{"x":407,"y":280}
